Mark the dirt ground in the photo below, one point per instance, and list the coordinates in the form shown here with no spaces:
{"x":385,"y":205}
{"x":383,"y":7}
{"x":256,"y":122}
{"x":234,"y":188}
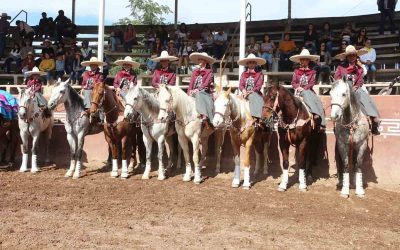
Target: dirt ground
{"x":47,"y":211}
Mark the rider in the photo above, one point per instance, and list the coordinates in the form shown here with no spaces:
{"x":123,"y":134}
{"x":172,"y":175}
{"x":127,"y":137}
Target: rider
{"x":201,"y":86}
{"x":126,"y":77}
{"x":251,"y":82}
{"x":354,"y":70}
{"x":34,"y":82}
{"x":164,"y":75}
{"x":303,"y":81}
{"x":91,"y":77}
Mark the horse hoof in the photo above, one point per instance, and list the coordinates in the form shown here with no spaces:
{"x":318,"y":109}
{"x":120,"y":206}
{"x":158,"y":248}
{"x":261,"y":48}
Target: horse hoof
{"x":22,"y":170}
{"x":145,"y":177}
{"x":68,"y":174}
{"x":124,"y":175}
{"x":186,"y":178}
{"x":217,"y":171}
{"x":114,"y":174}
{"x":161,"y":178}
{"x":280,"y":189}
{"x":344,"y":196}
{"x":360,"y":195}
{"x":76,"y":176}
{"x":303,"y":190}
{"x":235,"y":185}
{"x":34,"y":171}
{"x":246,"y":187}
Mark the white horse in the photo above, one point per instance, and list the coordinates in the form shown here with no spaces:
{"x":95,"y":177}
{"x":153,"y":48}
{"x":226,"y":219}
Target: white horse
{"x":351,"y":131}
{"x":188,"y":125}
{"x":141,"y":101}
{"x":233,"y":112}
{"x":32,"y":122}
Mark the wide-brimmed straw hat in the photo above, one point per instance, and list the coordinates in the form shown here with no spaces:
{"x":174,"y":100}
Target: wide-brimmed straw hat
{"x":92,"y":61}
{"x":165,"y":56}
{"x":305,"y":54}
{"x":351,"y":50}
{"x":194,"y":57}
{"x":35,"y":71}
{"x":251,"y":58}
{"x":128,"y":60}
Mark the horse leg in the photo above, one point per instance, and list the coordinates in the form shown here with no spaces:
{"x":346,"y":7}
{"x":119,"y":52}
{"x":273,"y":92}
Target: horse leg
{"x":302,"y":165}
{"x":124,"y":168}
{"x":197,"y":167}
{"x":133,"y":160}
{"x":48,"y":134}
{"x":79,"y":142}
{"x":141,"y":148}
{"x":114,"y":152}
{"x":265,"y":153}
{"x":358,"y":166}
{"x":246,"y":164}
{"x":171,"y":149}
{"x":284,"y":146}
{"x":14,"y":143}
{"x":343,"y":152}
{"x":35,"y":140}
{"x":219,"y":142}
{"x":184,"y":143}
{"x":72,"y":146}
{"x":148,"y":142}
{"x":236,"y":154}
{"x":258,"y":148}
{"x":25,"y":151}
{"x":161,"y":169}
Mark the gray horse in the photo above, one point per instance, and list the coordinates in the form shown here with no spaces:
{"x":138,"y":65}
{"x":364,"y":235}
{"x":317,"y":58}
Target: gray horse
{"x":351,"y":131}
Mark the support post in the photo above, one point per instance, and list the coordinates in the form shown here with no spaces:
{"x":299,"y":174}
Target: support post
{"x":73,"y":11}
{"x":100,"y":40}
{"x":176,"y":14}
{"x":242,"y":41}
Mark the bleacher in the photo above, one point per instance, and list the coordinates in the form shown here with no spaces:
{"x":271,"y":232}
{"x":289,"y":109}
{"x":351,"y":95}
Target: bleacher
{"x":387,"y":46}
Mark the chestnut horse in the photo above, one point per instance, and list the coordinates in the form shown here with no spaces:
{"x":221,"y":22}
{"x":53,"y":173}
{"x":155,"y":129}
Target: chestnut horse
{"x":115,"y":131}
{"x":295,"y":128}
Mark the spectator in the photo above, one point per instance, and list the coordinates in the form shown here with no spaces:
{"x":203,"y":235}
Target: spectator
{"x":28,"y":63}
{"x":158,"y":47}
{"x":14,"y":56}
{"x":287,"y":47}
{"x":387,"y":7}
{"x":369,"y":61}
{"x":151,"y":65}
{"x":116,"y":38}
{"x":267,"y":50}
{"x":325,"y":58}
{"x":60,"y":65}
{"x":48,"y":48}
{"x":342,"y":48}
{"x":195,"y":33}
{"x":52,"y":28}
{"x":47,"y":65}
{"x":26,"y":48}
{"x":181,"y":34}
{"x":69,"y":59}
{"x":70,"y":29}
{"x":207,"y":41}
{"x":163,"y":35}
{"x":77,"y":68}
{"x":25,"y":31}
{"x":183,"y":55}
{"x":86,"y":51}
{"x":129,"y":38}
{"x":150,"y":38}
{"x":60,"y":23}
{"x":327,"y":37}
{"x":220,"y":40}
{"x":359,"y":40}
{"x":4,"y":30}
{"x":172,"y":51}
{"x":253,"y":47}
{"x":347,"y":33}
{"x":44,"y":27}
{"x":310,"y":39}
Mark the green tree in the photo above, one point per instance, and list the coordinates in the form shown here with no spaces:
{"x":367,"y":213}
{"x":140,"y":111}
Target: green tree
{"x":145,"y":12}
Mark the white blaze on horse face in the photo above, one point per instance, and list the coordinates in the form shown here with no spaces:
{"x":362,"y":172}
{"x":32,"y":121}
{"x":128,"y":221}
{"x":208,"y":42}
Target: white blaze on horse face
{"x":23,"y":102}
{"x":57,"y":95}
{"x":130,"y":100}
{"x":164,"y":97}
{"x":221,"y":109}
{"x":339,"y":99}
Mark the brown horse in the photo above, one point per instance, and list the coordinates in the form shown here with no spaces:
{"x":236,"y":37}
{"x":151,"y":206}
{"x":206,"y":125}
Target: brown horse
{"x":9,"y":134}
{"x":115,"y":131}
{"x":296,"y":128}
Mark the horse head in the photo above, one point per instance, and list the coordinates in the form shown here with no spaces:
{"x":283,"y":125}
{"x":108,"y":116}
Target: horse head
{"x":340,"y":98}
{"x":132,"y":102}
{"x":58,"y":94}
{"x":165,"y":99}
{"x":271,"y":104}
{"x":25,"y":100}
{"x":98,"y":96}
{"x":222,"y":108}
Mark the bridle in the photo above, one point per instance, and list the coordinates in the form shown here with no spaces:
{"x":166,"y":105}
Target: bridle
{"x":100,"y":104}
{"x":273,"y":109}
{"x":227,"y":120}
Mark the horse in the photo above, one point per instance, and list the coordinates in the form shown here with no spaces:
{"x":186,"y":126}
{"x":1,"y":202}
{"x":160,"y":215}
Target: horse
{"x":189,"y":126}
{"x":233,"y":112}
{"x":32,"y":122}
{"x":296,"y":128}
{"x":115,"y":131}
{"x":77,"y":123}
{"x":351,"y":132}
{"x":141,"y":101}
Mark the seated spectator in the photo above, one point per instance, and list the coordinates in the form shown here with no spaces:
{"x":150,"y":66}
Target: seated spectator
{"x":158,"y":47}
{"x":369,"y":61}
{"x":47,"y":65}
{"x":207,"y":41}
{"x":310,"y":39}
{"x":327,"y":37}
{"x":86,"y":51}
{"x":25,"y":31}
{"x":52,"y":28}
{"x":162,"y":34}
{"x":60,"y":23}
{"x":287,"y":48}
{"x":253,"y":47}
{"x":26,"y":48}
{"x":48,"y":48}
{"x":28,"y":63}
{"x":324,"y":55}
{"x":129,"y":38}
{"x":182,"y":32}
{"x":60,"y":65}
{"x":14,"y":56}
{"x":220,"y":43}
{"x":44,"y":27}
{"x":267,"y":51}
{"x":77,"y":68}
{"x":116,"y":38}
{"x":323,"y":68}
{"x":150,"y":38}
{"x":360,"y":39}
{"x":60,"y":49}
{"x":70,"y":29}
{"x":342,"y":48}
{"x":4,"y":30}
{"x":151,"y":65}
{"x":347,"y":33}
{"x":172,"y":51}
{"x":195,"y":33}
{"x":183,"y":55}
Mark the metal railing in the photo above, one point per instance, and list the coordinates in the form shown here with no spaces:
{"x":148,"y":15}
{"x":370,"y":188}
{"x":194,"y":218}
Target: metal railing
{"x":22,"y":11}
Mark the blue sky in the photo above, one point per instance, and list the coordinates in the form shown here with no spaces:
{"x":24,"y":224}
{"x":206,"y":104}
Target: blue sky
{"x":191,"y":11}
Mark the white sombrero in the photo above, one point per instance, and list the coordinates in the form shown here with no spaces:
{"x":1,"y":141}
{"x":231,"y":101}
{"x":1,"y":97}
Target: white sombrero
{"x":92,"y":61}
{"x":194,"y":57}
{"x":305,"y":54}
{"x":35,"y":71}
{"x":350,"y":49}
{"x":128,"y":60}
{"x":251,"y":58}
{"x":165,"y":56}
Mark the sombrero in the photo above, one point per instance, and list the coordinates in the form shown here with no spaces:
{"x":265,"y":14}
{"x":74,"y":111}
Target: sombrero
{"x":35,"y":71}
{"x":128,"y":60}
{"x":93,"y":60}
{"x":251,"y":58}
{"x":305,"y":54}
{"x":165,"y":56}
{"x":194,"y":57}
{"x":350,"y":49}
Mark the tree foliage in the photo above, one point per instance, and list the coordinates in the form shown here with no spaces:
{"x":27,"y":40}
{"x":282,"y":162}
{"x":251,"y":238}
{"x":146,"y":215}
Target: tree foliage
{"x":145,"y":12}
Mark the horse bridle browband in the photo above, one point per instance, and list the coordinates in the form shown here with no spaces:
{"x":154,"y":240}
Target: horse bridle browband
{"x":276,"y":105}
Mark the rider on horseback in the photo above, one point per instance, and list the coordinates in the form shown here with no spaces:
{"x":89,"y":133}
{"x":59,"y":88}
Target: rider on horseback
{"x":126,"y":77}
{"x":354,"y":71}
{"x":34,"y":82}
{"x":303,"y":81}
{"x":164,"y":75}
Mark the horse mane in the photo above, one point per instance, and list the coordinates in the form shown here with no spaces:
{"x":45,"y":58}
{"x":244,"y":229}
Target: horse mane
{"x":149,"y":100}
{"x":297,"y":101}
{"x":183,"y":100}
{"x":74,"y":97}
{"x":353,"y":99}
